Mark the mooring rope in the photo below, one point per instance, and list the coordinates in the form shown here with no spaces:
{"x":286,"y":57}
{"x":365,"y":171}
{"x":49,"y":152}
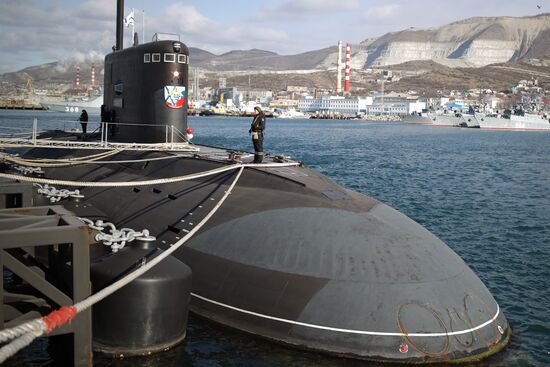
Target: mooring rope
{"x":73,"y":158}
{"x":75,"y":161}
{"x":158,"y":181}
{"x":58,"y":163}
{"x":25,"y":333}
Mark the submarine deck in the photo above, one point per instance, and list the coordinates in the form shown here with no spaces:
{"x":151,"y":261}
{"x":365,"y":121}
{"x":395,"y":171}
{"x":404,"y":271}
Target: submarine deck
{"x":289,"y":249}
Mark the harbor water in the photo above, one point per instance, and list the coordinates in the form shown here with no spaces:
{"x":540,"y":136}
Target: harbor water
{"x":484,"y":193}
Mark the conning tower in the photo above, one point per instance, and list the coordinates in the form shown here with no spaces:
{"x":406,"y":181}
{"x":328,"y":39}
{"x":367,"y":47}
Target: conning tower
{"x":145,"y":88}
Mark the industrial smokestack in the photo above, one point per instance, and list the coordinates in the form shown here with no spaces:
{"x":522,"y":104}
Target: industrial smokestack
{"x":93,"y":75}
{"x":77,"y":81}
{"x":339,"y":77}
{"x":119,"y":25}
{"x":348,"y":67}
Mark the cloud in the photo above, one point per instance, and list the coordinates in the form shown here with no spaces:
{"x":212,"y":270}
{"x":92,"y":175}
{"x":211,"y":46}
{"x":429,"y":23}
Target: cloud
{"x":92,"y":10}
{"x":200,"y":31}
{"x":39,"y":31}
{"x":296,"y":10}
{"x":63,"y":30}
{"x":31,"y":26}
{"x":385,"y":11}
{"x":78,"y":57}
{"x":187,"y":20}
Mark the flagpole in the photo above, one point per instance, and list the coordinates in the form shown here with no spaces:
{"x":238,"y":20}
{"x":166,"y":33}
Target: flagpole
{"x":143,"y":24}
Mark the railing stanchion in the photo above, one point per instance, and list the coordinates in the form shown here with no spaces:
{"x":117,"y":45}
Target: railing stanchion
{"x":172,"y":137}
{"x":34,"y":128}
{"x":106,"y":134}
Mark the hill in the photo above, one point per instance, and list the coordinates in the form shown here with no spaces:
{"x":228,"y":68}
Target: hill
{"x":472,"y":42}
{"x":460,"y":55}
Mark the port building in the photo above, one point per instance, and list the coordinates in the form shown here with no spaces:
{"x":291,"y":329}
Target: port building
{"x":359,"y":106}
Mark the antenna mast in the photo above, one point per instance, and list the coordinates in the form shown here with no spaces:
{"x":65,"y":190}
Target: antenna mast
{"x":120,"y":25}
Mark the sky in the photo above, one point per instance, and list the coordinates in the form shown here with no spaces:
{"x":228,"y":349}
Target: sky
{"x":35,"y":32}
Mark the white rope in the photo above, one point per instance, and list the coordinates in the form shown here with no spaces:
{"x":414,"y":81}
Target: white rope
{"x":88,"y":302}
{"x":17,"y":331}
{"x":132,"y":160}
{"x":16,"y":345}
{"x":119,"y":184}
{"x":145,"y":182}
{"x":75,"y":162}
{"x":349,"y":331}
{"x":271,"y":165}
{"x":100,"y":154}
{"x":27,"y":332}
{"x":57,"y":163}
{"x":140,"y":160}
{"x":23,"y":335}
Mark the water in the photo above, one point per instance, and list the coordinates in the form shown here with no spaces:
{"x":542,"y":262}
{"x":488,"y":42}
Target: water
{"x":485,"y":193}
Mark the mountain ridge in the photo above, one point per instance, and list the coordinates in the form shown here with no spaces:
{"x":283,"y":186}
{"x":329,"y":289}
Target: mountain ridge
{"x":476,"y":41}
{"x":472,"y":42}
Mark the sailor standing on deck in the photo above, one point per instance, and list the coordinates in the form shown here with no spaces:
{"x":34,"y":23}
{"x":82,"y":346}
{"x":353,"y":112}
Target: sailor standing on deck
{"x":84,"y":121}
{"x":257,"y":130}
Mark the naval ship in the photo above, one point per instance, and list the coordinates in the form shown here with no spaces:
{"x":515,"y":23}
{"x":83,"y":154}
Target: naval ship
{"x":92,"y":106}
{"x":513,"y":120}
{"x":290,"y":256}
{"x":453,"y":119}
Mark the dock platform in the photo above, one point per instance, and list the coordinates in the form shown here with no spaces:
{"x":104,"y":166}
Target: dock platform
{"x":48,"y":248}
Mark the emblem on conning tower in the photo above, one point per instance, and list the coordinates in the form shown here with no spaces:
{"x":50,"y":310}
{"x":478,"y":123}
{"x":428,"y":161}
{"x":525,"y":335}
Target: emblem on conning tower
{"x":174,"y":96}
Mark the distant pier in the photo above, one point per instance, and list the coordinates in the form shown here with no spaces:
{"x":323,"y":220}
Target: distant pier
{"x":19,"y":104}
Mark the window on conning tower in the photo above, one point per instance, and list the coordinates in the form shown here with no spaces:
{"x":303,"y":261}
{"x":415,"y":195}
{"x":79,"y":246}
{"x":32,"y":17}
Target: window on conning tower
{"x":169,"y":57}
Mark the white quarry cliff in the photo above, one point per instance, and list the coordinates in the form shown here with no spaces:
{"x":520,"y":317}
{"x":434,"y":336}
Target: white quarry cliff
{"x":474,"y":41}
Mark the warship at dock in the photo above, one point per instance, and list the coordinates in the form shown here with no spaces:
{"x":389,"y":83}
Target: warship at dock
{"x":91,"y":105}
{"x":275,"y":249}
{"x":516,"y":120}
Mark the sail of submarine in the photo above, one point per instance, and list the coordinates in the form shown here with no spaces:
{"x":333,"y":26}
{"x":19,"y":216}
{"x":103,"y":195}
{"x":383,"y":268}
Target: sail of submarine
{"x":290,"y":256}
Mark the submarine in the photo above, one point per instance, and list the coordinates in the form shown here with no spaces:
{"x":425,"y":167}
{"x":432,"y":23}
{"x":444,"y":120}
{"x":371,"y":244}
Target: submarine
{"x":290,"y":256}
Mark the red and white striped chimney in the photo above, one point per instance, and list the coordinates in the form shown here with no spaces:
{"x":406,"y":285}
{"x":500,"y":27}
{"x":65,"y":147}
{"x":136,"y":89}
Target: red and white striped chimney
{"x":77,"y":81}
{"x":339,"y":76}
{"x":348,"y":67}
{"x":93,"y":75}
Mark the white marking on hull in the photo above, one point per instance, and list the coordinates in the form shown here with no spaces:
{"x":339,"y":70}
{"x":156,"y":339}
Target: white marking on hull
{"x":349,"y":331}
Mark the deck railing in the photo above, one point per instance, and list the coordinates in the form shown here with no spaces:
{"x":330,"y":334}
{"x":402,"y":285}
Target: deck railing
{"x":17,"y":136}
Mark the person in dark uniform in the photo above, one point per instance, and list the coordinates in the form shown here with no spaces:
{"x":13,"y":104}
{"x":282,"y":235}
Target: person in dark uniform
{"x":84,"y":121}
{"x":257,"y":130}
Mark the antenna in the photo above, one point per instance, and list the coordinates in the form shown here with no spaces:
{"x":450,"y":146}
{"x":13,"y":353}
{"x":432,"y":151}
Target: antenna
{"x":119,"y":25}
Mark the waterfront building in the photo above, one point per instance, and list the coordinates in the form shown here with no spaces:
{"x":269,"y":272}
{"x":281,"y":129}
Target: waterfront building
{"x":284,"y":103}
{"x":335,"y":105}
{"x":400,"y":108}
{"x":235,"y":96}
{"x":360,"y":106}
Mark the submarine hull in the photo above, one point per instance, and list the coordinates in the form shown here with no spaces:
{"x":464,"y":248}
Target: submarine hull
{"x":293,"y":257}
{"x":371,"y":285}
